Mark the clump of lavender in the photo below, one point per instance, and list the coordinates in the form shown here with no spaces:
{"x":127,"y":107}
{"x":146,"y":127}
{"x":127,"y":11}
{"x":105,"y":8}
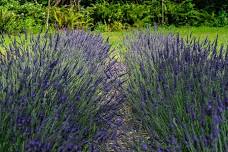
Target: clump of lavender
{"x":178,"y":90}
{"x":50,"y":91}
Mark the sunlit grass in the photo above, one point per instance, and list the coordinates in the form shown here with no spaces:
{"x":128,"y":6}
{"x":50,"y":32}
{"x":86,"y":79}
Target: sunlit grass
{"x":200,"y":32}
{"x":116,"y":39}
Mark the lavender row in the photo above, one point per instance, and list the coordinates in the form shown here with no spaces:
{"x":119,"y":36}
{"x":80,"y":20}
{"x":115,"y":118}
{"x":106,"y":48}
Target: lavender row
{"x":51,"y":86}
{"x":178,"y":89}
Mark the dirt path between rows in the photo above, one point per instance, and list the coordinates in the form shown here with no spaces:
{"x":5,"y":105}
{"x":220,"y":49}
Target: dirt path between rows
{"x":124,"y":132}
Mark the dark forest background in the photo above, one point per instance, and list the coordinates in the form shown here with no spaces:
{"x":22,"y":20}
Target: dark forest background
{"x":109,"y":15}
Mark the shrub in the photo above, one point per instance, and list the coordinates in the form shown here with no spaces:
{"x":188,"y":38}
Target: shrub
{"x":178,"y":91}
{"x":185,"y":13}
{"x":51,"y":89}
{"x":122,"y":16}
{"x":28,"y":16}
{"x":71,"y":18}
{"x":6,"y":18}
{"x":221,"y":19}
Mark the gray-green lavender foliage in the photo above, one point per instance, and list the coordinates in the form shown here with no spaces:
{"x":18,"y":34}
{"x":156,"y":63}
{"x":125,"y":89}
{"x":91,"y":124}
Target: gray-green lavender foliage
{"x":51,"y":86}
{"x":178,"y":90}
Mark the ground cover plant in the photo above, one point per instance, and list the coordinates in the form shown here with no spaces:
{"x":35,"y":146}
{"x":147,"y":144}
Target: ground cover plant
{"x":51,"y":92}
{"x":178,"y":91}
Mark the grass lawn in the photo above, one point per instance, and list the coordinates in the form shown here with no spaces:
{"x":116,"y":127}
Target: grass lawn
{"x":201,"y":32}
{"x":117,"y":38}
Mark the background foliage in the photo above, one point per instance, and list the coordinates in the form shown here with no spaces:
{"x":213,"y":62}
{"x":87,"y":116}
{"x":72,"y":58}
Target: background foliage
{"x":107,"y":15}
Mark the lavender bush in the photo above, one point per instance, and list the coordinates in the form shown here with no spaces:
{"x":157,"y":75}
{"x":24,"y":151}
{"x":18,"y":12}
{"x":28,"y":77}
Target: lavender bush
{"x":51,"y":86}
{"x":178,"y":90}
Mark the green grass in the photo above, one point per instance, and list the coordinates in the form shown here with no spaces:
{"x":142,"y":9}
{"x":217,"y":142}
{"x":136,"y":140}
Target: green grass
{"x":201,"y":32}
{"x":116,"y":39}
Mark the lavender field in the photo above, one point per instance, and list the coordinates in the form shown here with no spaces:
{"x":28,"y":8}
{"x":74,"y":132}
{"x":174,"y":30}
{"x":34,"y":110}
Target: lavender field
{"x":68,"y":91}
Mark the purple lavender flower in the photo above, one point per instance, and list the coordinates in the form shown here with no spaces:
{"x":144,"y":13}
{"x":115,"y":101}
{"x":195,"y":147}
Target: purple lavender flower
{"x":63,"y":98}
{"x":209,"y":108}
{"x":107,"y":87}
{"x":191,"y":112}
{"x":101,"y":135}
{"x":77,"y":98}
{"x":226,"y":103}
{"x":119,"y":121}
{"x":160,"y":150}
{"x":33,"y":94}
{"x":144,"y":147}
{"x":216,"y":120}
{"x":23,"y":123}
{"x":69,"y":147}
{"x":36,"y":145}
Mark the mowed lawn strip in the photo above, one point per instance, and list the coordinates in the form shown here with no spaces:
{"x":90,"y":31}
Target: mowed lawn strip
{"x":117,"y":38}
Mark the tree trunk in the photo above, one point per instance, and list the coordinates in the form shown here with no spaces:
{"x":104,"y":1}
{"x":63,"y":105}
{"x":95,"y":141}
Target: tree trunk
{"x":48,"y":13}
{"x":162,"y":12}
{"x":57,"y":2}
